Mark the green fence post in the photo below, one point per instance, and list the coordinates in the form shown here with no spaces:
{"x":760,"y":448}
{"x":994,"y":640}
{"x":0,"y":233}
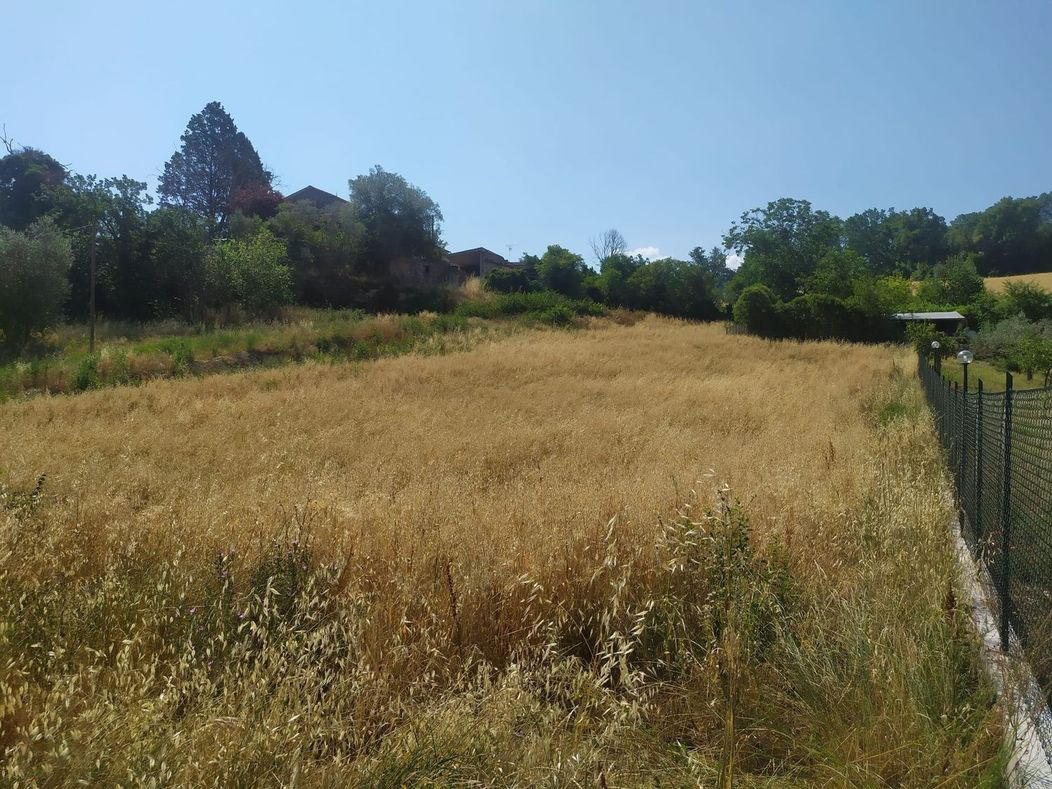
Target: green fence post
{"x":977,"y":526}
{"x":960,"y":396}
{"x":1006,"y":517}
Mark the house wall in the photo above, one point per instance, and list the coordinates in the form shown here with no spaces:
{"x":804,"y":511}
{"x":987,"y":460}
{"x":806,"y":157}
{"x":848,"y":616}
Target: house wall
{"x":421,"y":273}
{"x":478,"y":262}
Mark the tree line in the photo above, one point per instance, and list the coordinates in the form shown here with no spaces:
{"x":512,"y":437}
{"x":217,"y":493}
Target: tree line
{"x":221,"y":243}
{"x":681,"y":288}
{"x":808,"y":273}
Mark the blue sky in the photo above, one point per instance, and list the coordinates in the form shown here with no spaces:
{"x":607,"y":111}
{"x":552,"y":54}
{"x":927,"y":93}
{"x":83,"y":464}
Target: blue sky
{"x":534,"y":123}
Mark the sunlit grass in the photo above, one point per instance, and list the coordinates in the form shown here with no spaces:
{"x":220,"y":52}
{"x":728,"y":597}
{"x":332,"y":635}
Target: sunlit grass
{"x":506,"y":566}
{"x":993,"y":376}
{"x":997,"y":284}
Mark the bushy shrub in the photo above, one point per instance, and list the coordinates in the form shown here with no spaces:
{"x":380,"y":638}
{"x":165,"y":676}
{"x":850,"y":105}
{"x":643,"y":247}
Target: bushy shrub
{"x":561,"y":270}
{"x":998,"y":340}
{"x":921,"y":335}
{"x":519,"y":280}
{"x":537,"y":301}
{"x":984,"y":310}
{"x":757,"y":310}
{"x":250,"y":274}
{"x":447,"y":323}
{"x":478,"y":309}
{"x":433,"y":300}
{"x":114,"y":368}
{"x":87,"y":375}
{"x":533,"y":304}
{"x":33,"y":281}
{"x":1033,"y":354}
{"x":1027,"y":299}
{"x":813,"y":316}
{"x":559,"y":315}
{"x":953,"y":282}
{"x":819,"y":316}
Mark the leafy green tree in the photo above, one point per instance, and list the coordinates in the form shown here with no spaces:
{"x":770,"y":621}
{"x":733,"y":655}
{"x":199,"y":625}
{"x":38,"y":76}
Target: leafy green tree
{"x":882,"y":295}
{"x":400,"y":219}
{"x":715,"y":263}
{"x":835,"y":273}
{"x":1027,"y":299}
{"x":1013,"y":236}
{"x":177,"y":253}
{"x":869,"y":234}
{"x":893,"y":241}
{"x":1033,"y":354}
{"x":325,"y":247}
{"x":782,"y":244}
{"x":250,"y":274}
{"x":997,"y":339}
{"x":214,"y":169}
{"x":918,"y":236}
{"x":115,"y":209}
{"x":673,"y":287}
{"x":951,"y":284}
{"x":614,"y":274}
{"x":34,"y":266}
{"x":27,"y":179}
{"x":561,"y":270}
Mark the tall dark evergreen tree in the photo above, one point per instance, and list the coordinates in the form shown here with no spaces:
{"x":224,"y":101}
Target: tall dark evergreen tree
{"x":214,"y":168}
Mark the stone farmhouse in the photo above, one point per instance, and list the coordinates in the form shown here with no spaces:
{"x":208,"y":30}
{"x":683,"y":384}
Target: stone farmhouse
{"x":418,"y":272}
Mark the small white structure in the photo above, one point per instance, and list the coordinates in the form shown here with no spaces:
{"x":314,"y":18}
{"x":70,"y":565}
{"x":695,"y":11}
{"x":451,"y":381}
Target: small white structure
{"x":947,"y":321}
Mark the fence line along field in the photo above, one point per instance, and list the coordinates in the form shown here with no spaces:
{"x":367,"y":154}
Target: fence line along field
{"x":512,"y":565}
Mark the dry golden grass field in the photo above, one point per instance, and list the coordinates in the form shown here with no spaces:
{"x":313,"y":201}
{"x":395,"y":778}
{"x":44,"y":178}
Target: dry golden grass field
{"x":506,"y":566}
{"x":996,"y":284}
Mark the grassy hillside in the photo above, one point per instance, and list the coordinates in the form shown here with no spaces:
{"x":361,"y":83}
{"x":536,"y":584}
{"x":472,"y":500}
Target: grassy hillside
{"x":996,"y":284}
{"x":634,"y":555}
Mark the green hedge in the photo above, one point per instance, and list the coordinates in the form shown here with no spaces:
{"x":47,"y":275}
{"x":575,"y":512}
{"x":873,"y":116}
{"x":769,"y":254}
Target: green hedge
{"x":814,"y":316}
{"x":544,"y":305}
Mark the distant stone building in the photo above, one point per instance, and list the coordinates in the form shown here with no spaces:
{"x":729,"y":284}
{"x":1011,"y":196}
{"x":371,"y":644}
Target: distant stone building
{"x":479,"y":262}
{"x":417,"y":272}
{"x":423,"y":273}
{"x":450,"y":271}
{"x":319,"y":198}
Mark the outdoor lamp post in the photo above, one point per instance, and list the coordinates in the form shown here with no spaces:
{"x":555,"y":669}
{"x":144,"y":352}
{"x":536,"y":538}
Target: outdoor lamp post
{"x":965,"y":357}
{"x":935,"y":355}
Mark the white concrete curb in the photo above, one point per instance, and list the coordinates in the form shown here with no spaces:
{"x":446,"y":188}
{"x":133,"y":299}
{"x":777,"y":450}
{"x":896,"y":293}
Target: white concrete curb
{"x":1030,"y":722}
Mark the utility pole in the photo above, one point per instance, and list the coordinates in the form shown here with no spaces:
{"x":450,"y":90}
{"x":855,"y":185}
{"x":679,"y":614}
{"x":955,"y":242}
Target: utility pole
{"x":91,"y":303}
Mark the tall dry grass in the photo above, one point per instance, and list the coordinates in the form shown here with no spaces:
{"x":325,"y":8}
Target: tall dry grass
{"x":507,"y":566}
{"x":473,"y":289}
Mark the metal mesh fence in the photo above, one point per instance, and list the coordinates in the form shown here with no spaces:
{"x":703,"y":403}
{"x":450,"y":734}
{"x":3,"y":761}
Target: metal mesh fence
{"x":999,"y":448}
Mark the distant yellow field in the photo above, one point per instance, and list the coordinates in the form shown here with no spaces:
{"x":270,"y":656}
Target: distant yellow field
{"x":997,"y":284}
